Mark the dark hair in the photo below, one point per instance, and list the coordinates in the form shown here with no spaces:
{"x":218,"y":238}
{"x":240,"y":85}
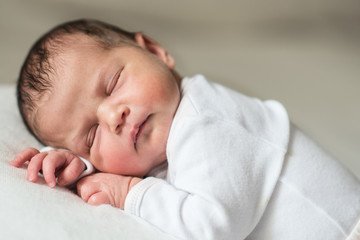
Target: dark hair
{"x":34,"y":79}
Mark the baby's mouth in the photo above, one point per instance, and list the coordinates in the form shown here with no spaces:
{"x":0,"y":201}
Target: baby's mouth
{"x":139,"y":129}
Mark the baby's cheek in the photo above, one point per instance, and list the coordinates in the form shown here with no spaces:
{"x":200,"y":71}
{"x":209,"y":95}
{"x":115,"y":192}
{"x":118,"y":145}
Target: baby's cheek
{"x":106,"y":153}
{"x":114,"y":162}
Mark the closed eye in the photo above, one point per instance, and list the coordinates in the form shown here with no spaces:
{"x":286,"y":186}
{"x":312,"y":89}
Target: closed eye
{"x":91,"y":136}
{"x":110,"y":87}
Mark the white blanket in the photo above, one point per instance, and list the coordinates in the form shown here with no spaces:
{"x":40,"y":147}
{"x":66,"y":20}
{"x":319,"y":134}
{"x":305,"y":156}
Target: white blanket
{"x":35,"y":211}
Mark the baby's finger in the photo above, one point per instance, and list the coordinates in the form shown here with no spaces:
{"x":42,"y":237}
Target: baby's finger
{"x":71,"y":172}
{"x":98,"y":198}
{"x":86,"y":188}
{"x":49,"y":166}
{"x":35,"y":166}
{"x":24,"y":156}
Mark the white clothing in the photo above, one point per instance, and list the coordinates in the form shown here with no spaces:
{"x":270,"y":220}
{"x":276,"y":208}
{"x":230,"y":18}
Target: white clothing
{"x":231,"y":176}
{"x":315,"y":198}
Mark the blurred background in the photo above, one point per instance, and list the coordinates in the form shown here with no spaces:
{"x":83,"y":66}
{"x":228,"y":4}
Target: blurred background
{"x":304,"y":53}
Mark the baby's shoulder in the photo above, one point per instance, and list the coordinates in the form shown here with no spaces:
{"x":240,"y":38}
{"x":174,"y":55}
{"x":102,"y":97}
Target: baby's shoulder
{"x":208,"y":98}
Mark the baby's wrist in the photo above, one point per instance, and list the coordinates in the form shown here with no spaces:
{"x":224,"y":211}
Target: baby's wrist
{"x":133,"y":182}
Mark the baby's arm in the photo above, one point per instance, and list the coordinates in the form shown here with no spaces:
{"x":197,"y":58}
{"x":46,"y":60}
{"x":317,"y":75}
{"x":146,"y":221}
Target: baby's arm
{"x":62,"y":164}
{"x":106,"y":188}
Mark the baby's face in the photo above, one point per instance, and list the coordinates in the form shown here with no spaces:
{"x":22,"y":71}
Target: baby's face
{"x":113,"y":107}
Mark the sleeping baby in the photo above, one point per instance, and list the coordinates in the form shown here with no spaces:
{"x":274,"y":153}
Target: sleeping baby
{"x":189,"y":156}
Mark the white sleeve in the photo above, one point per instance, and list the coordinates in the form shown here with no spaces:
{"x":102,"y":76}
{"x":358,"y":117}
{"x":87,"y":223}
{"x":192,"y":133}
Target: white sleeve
{"x":182,"y":214}
{"x":89,"y":167}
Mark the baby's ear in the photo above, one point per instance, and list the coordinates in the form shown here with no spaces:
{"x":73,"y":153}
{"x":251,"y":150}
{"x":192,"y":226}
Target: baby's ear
{"x":156,"y":49}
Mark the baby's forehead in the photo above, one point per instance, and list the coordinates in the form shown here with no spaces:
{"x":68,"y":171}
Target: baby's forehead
{"x":75,"y":42}
{"x":82,"y":47}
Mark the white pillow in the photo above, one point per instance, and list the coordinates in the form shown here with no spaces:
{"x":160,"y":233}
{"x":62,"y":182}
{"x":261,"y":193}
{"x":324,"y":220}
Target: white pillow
{"x":35,"y":211}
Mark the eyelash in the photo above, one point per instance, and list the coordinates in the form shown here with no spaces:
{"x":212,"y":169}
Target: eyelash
{"x":113,"y":84}
{"x":91,"y":137}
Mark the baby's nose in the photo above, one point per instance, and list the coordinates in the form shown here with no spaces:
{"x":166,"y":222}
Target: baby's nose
{"x":114,"y":116}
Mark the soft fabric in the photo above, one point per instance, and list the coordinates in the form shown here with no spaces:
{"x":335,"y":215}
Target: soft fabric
{"x":35,"y":211}
{"x":237,"y":170}
{"x":316,"y":197}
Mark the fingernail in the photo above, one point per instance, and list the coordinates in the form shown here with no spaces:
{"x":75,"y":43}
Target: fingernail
{"x":31,"y":178}
{"x":52,"y":184}
{"x":13,"y":163}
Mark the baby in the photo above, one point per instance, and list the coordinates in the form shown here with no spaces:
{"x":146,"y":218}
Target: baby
{"x":193,"y":158}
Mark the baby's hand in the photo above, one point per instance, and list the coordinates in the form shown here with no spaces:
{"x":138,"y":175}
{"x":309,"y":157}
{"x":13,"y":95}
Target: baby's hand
{"x":62,"y":164}
{"x":106,"y":188}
